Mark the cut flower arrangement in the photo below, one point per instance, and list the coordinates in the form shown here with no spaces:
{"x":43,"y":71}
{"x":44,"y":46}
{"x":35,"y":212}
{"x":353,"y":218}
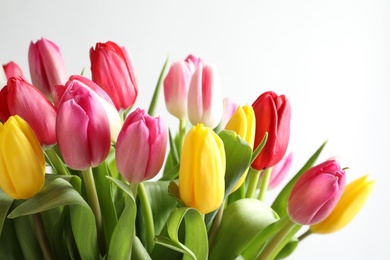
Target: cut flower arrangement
{"x":86,"y":175}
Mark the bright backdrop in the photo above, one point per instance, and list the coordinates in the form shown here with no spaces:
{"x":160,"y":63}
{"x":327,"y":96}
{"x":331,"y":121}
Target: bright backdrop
{"x":332,"y":58}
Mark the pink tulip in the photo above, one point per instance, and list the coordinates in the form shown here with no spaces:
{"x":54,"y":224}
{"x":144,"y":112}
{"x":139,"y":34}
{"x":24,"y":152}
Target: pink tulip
{"x":279,"y":171}
{"x":176,"y":86}
{"x":229,"y":108}
{"x":83,"y":130}
{"x":113,"y":70}
{"x":47,"y":67}
{"x":316,"y":193}
{"x":12,"y":69}
{"x":19,"y":97}
{"x":273,"y":114}
{"x":77,"y":81}
{"x":205,"y":103}
{"x":141,"y":146}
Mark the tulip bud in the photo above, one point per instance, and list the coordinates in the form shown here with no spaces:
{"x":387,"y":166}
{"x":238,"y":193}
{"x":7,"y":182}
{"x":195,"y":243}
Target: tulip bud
{"x":351,"y":202}
{"x":316,"y":193}
{"x":243,"y":123}
{"x":202,"y":170}
{"x":47,"y":67}
{"x":113,"y":70}
{"x":141,"y":146}
{"x":22,"y":163}
{"x":273,"y":115}
{"x":12,"y":69}
{"x":229,"y":108}
{"x":19,"y":97}
{"x":81,"y":82}
{"x":279,"y":171}
{"x":83,"y":130}
{"x":176,"y":86}
{"x":205,"y":97}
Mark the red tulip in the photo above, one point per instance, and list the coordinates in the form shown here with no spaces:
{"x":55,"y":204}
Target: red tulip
{"x":141,"y":146}
{"x":83,"y":130}
{"x":113,"y":70}
{"x":316,"y":193}
{"x":47,"y":67}
{"x":273,"y":115}
{"x":19,"y":97}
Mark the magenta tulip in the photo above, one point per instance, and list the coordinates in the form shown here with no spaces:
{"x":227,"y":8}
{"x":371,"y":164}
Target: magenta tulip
{"x":176,"y":86}
{"x":205,"y":104}
{"x":273,"y":115}
{"x":141,"y":146}
{"x":47,"y":67}
{"x":316,"y":193}
{"x":113,"y":70}
{"x":20,"y":98}
{"x":12,"y":69}
{"x":81,"y":82}
{"x":83,"y":130}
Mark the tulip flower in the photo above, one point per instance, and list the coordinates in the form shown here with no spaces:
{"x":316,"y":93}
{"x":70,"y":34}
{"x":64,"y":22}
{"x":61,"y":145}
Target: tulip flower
{"x":77,"y":81}
{"x":19,"y":97}
{"x":202,"y":170}
{"x":3,"y":78}
{"x":243,"y":123}
{"x":12,"y":69}
{"x":279,"y":171}
{"x":176,"y":85}
{"x":273,"y":115}
{"x":229,"y":108}
{"x":47,"y":67}
{"x":205,"y":104}
{"x":141,"y":146}
{"x":351,"y":202}
{"x":316,"y":193}
{"x":83,"y":130}
{"x":113,"y":70}
{"x":22,"y":163}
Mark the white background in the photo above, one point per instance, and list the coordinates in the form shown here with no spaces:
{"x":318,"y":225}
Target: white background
{"x":331,"y":58}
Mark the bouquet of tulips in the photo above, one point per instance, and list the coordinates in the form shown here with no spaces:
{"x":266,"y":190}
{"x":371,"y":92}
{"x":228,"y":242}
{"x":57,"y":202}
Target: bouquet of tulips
{"x":85,"y":175}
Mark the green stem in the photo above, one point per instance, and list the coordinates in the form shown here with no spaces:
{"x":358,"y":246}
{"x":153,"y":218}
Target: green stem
{"x":277,"y":243}
{"x":264,"y":183}
{"x":147,"y":212}
{"x":304,"y":235}
{"x":216,"y":224}
{"x":41,"y":236}
{"x":253,"y":179}
{"x":182,"y":133}
{"x":93,"y":202}
{"x":57,"y":165}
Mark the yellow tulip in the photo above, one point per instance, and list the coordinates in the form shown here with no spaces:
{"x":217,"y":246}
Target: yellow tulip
{"x":22,"y":163}
{"x":243,"y":122}
{"x":353,"y":199}
{"x":202,"y":170}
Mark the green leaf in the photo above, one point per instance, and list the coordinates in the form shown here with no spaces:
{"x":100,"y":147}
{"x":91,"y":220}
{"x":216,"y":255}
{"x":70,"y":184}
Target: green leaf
{"x":57,"y":193}
{"x":103,"y":189}
{"x":280,"y":203}
{"x":288,"y":249}
{"x":84,"y":231}
{"x":172,"y":164}
{"x":195,"y":244}
{"x":153,"y":103}
{"x":28,"y":243}
{"x":161,"y":203}
{"x":243,"y":219}
{"x":139,"y":252}
{"x":238,"y":156}
{"x":5,"y":204}
{"x":123,"y":235}
{"x":9,"y":244}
